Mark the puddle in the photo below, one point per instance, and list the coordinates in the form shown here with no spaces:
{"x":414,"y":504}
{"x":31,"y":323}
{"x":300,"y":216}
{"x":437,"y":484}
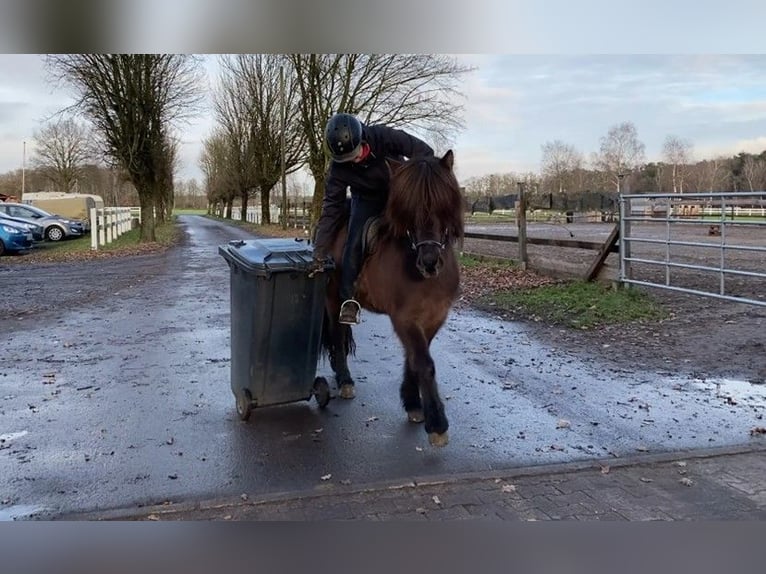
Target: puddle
{"x":8,"y":437}
{"x":741,"y":391}
{"x":19,"y":511}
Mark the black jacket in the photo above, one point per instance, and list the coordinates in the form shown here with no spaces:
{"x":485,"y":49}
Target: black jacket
{"x":368,"y":179}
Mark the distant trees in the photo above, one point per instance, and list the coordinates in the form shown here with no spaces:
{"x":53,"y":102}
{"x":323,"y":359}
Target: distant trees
{"x":677,"y":152}
{"x":559,"y":164}
{"x":620,"y":153}
{"x":133,"y":101}
{"x":62,"y":151}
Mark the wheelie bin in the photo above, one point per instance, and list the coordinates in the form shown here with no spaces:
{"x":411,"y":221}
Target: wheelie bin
{"x":277,"y":307}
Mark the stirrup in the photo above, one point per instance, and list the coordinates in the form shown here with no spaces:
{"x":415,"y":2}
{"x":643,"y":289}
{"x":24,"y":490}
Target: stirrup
{"x":349,"y":312}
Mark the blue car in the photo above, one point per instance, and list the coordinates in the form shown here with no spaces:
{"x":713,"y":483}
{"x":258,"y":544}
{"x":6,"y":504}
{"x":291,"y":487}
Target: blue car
{"x":28,"y":224}
{"x":14,"y":238}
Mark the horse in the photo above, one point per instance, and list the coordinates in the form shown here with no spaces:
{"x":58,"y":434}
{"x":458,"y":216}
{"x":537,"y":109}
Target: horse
{"x":411,"y":274}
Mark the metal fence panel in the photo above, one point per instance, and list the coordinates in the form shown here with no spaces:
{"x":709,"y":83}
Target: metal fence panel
{"x":709,"y":244}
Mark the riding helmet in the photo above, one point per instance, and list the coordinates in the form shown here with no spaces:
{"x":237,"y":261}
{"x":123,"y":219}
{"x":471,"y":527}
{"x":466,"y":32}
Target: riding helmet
{"x":343,"y":136}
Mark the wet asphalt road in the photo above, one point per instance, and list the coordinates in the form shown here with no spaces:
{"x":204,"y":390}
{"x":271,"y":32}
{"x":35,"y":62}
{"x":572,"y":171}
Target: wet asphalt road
{"x":124,"y":399}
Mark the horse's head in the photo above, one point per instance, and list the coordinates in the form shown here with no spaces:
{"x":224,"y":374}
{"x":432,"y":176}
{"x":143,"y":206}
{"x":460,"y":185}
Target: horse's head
{"x":425,"y":207}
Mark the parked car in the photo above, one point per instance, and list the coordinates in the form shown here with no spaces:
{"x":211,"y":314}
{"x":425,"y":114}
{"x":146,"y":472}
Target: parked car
{"x":38,"y":233}
{"x":55,"y":227}
{"x":13,"y":237}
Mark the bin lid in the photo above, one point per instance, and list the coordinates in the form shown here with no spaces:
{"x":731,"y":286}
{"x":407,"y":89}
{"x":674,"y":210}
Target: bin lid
{"x":267,"y":256}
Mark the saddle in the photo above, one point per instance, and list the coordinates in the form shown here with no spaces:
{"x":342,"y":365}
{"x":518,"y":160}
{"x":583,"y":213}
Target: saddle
{"x":370,"y":235}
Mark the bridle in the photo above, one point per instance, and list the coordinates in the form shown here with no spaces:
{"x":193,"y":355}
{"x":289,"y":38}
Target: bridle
{"x":417,"y":245}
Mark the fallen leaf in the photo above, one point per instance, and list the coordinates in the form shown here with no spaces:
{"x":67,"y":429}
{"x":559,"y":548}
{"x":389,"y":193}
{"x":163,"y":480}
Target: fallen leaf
{"x":436,"y":499}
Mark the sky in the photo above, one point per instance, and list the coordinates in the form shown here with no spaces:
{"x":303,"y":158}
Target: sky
{"x":513,"y":104}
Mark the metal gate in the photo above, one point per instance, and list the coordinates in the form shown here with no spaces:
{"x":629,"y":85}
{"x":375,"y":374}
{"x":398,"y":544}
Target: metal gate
{"x":710,"y":244}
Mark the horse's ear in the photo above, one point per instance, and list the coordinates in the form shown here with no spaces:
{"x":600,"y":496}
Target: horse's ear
{"x":393,"y":165}
{"x":448,"y":160}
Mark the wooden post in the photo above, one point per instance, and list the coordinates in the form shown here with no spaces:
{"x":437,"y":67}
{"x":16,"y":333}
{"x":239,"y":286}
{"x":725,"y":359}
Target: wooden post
{"x":521,"y":221}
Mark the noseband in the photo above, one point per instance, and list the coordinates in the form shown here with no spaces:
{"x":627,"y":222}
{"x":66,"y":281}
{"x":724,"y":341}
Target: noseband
{"x":417,"y":245}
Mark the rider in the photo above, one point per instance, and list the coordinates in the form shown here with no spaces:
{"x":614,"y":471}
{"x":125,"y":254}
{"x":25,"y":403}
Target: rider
{"x":358,"y":153}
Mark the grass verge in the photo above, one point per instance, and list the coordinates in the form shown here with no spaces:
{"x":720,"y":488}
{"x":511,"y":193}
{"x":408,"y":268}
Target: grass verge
{"x":576,"y":304}
{"x":79,"y":249}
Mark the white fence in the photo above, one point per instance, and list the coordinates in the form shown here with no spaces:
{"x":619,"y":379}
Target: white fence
{"x":108,"y":223}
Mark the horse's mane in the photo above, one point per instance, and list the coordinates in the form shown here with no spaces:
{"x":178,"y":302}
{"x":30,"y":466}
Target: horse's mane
{"x":421,"y":191}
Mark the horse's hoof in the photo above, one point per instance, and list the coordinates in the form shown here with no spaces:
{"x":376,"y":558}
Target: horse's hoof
{"x":437,"y":439}
{"x":347,"y":391}
{"x":416,"y":416}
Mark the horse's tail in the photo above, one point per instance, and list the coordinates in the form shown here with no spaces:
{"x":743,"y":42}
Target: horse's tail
{"x":329,"y":342}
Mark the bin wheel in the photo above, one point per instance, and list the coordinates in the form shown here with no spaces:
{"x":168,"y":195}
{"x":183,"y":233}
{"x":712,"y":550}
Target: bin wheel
{"x":321,"y":392}
{"x":244,"y":404}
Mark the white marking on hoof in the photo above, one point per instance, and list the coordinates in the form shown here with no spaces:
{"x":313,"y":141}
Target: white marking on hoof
{"x":347,"y":391}
{"x":437,"y":439}
{"x":416,"y":416}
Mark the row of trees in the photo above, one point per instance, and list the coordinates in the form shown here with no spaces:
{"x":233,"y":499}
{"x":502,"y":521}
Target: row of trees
{"x":268,"y":102}
{"x":133,"y":104}
{"x":620,"y":164}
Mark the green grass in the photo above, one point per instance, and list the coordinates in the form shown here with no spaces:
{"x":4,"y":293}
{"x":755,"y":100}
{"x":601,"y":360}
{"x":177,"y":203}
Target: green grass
{"x":578,"y":304}
{"x":189,"y":211}
{"x":493,"y":263}
{"x":80,"y":248}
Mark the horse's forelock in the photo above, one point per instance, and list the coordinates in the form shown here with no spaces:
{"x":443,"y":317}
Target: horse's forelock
{"x":422,"y":192}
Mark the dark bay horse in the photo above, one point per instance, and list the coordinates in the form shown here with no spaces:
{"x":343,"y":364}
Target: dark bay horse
{"x":410,"y":274}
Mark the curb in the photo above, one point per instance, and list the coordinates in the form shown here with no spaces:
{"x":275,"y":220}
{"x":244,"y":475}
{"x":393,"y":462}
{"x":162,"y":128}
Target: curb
{"x":323,"y":491}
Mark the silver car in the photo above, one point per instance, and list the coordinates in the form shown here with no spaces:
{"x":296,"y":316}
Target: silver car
{"x":55,"y":227}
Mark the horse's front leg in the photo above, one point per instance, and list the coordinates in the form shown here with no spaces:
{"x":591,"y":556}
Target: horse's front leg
{"x":420,"y":367}
{"x":410,"y":394}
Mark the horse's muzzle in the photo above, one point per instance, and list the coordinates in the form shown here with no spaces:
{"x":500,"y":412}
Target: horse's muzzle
{"x":429,"y":263}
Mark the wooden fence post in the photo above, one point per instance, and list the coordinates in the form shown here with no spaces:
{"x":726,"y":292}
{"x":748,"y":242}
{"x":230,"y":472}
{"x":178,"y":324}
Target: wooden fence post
{"x":521,"y":219}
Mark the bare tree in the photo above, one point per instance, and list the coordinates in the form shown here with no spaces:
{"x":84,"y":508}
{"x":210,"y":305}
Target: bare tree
{"x":620,"y":153}
{"x":754,"y":172}
{"x":250,"y":107}
{"x":133,"y":101}
{"x":61,"y":152}
{"x":677,"y":152}
{"x":216,"y":166}
{"x":559,"y":162}
{"x":415,"y":90}
{"x":713,"y":173}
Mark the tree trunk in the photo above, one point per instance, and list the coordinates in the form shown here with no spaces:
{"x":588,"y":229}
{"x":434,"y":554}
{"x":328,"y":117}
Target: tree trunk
{"x":243,"y":211}
{"x":146,"y":201}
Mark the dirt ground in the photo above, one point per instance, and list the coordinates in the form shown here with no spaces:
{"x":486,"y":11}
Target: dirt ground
{"x":701,"y":336}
